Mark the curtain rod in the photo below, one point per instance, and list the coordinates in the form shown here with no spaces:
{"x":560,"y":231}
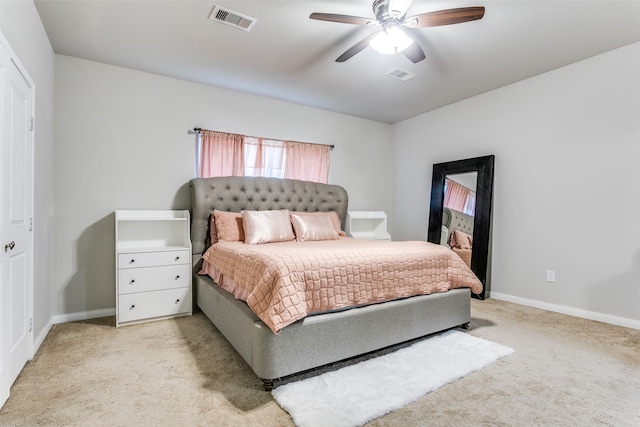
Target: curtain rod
{"x":200,"y":130}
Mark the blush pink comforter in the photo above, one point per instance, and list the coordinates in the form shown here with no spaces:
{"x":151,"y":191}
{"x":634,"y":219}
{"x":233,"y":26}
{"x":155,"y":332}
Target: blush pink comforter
{"x":283,"y":282}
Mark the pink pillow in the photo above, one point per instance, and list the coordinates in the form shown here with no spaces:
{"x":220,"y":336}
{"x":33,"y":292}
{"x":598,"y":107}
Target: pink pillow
{"x":333,"y":216}
{"x":267,"y":226}
{"x":460,"y":240}
{"x":228,"y":226}
{"x":213,"y":231}
{"x":313,"y":227}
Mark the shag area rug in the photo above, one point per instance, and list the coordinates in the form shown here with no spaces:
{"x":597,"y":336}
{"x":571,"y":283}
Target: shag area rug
{"x":357,"y":394}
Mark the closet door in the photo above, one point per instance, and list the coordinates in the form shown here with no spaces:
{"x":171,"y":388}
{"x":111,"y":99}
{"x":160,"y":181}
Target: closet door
{"x":16,"y":199}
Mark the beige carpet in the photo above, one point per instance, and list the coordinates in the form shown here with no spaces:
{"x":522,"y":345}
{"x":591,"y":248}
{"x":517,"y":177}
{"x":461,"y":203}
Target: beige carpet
{"x":564,"y":372}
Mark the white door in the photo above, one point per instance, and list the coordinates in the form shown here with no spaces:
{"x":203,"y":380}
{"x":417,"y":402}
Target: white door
{"x":16,"y":172}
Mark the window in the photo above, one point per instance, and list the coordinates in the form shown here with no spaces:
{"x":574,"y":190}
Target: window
{"x":264,"y":157}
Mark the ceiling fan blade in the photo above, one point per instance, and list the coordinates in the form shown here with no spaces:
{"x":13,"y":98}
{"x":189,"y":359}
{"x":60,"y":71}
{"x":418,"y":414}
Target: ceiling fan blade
{"x":414,"y":52}
{"x":445,"y":17}
{"x":356,"y":48}
{"x":343,"y":19}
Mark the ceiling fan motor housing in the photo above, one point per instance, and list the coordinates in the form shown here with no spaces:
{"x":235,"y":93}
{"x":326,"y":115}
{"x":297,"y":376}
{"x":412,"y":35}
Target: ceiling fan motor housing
{"x":381,"y":9}
{"x":390,"y":13}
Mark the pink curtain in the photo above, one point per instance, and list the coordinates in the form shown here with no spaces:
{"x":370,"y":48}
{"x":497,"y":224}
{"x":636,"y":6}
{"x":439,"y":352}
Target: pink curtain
{"x":222,"y":154}
{"x":308,"y":162}
{"x":228,"y":154}
{"x":456,"y":196}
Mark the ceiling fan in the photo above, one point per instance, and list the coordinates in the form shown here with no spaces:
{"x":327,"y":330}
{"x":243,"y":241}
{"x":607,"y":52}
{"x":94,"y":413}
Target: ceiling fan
{"x":390,"y":15}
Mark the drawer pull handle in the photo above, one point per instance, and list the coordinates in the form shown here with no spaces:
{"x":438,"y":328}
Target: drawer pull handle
{"x":132,"y":307}
{"x":178,"y":300}
{"x":132,"y":281}
{"x":177,"y":258}
{"x":132,"y":261}
{"x":177,"y":277}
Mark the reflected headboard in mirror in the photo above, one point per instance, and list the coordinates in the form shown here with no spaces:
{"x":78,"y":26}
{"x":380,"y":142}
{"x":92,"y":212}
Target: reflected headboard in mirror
{"x":482,"y":218}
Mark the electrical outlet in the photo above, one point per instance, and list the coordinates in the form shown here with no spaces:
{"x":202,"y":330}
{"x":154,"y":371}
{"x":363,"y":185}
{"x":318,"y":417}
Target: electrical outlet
{"x":551,"y":276}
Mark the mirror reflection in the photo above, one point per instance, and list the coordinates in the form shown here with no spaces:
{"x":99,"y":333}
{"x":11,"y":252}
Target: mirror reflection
{"x":458,"y":213}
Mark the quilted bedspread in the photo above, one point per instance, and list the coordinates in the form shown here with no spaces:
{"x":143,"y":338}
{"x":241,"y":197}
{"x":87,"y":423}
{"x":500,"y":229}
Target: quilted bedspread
{"x":284,"y":282}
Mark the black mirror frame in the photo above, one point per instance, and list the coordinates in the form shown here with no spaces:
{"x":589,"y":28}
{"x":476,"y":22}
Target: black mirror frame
{"x":482,"y":220}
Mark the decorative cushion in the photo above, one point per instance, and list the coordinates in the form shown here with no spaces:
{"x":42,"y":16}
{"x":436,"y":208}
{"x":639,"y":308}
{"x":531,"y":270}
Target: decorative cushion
{"x":213,"y":231}
{"x":333,"y":216}
{"x":267,"y":226}
{"x":460,"y":240}
{"x":228,"y":227}
{"x":313,"y":227}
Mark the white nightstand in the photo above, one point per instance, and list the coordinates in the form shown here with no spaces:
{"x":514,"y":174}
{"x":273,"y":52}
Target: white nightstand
{"x":153,"y":265}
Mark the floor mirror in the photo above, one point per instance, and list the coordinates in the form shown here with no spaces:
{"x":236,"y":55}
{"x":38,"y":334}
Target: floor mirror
{"x":482,"y":168}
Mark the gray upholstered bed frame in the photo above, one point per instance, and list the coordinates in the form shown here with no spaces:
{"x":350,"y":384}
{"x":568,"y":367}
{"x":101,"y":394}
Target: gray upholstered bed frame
{"x":319,"y":339}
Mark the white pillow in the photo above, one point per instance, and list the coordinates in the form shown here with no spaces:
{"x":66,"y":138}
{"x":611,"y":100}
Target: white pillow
{"x":267,"y":226}
{"x":317,"y":227}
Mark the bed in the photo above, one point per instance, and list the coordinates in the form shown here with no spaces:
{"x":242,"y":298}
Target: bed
{"x":317,"y":339}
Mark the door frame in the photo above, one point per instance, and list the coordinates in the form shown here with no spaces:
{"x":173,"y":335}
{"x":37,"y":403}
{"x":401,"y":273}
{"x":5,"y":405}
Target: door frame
{"x":11,"y":57}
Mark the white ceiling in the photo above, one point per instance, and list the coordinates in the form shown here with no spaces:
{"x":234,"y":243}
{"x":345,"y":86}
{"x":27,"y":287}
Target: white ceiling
{"x":287,"y":56}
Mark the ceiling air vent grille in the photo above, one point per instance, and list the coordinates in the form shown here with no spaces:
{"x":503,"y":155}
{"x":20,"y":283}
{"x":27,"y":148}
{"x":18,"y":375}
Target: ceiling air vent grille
{"x":232,"y":18}
{"x":401,"y":74}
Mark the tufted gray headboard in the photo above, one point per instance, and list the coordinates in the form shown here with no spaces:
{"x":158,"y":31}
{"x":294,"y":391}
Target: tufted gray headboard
{"x":236,"y":193}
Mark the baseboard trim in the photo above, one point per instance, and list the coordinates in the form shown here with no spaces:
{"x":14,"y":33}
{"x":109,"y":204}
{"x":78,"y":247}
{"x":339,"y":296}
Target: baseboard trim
{"x":571,"y":311}
{"x":83,"y":315}
{"x":41,"y":336}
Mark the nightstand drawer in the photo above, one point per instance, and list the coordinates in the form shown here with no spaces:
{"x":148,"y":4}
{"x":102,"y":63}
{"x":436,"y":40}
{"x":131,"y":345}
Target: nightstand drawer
{"x":146,"y":305}
{"x":153,"y":278}
{"x":150,"y":259}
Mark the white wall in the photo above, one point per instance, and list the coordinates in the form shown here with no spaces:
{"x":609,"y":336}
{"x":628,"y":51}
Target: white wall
{"x":567,"y":182}
{"x":122,"y":142}
{"x":21,"y":26}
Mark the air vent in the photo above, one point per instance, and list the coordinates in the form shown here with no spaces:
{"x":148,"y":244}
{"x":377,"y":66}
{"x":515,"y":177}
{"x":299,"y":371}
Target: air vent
{"x":232,"y":18}
{"x":401,"y":74}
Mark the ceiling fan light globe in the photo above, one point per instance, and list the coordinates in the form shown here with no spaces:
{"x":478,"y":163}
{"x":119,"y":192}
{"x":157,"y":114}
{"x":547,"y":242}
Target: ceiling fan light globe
{"x":390,"y":41}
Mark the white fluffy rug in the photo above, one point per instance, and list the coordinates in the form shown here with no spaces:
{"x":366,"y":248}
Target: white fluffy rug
{"x":359,"y":393}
